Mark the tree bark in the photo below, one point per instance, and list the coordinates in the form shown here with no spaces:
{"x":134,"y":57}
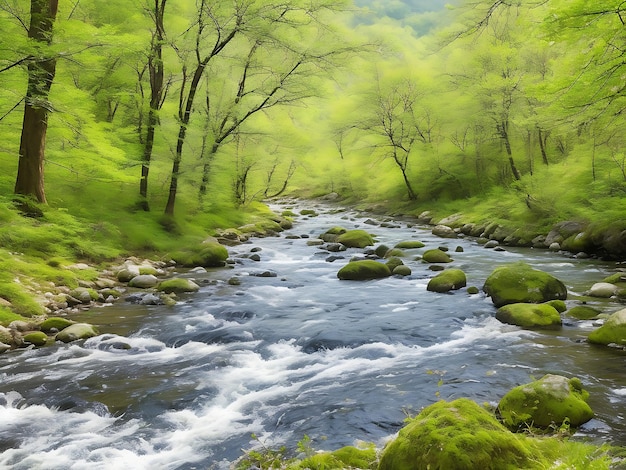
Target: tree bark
{"x":41,"y":71}
{"x":503,"y":128}
{"x":157,"y":73}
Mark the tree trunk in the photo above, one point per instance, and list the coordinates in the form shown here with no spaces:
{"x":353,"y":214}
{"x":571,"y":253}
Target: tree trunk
{"x":185,"y":117}
{"x":41,"y":71}
{"x":156,"y":69}
{"x":504,"y":134}
{"x":543,"y":138}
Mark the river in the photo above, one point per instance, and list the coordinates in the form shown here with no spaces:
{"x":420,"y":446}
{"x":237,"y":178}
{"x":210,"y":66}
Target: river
{"x":301,"y":353}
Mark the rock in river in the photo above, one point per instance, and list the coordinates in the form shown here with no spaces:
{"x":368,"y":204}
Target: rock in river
{"x":363,"y":270}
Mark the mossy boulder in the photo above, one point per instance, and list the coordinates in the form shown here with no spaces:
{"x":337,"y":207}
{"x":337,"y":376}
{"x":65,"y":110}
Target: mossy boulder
{"x":207,"y":255}
{"x":393,"y":263}
{"x":401,"y":270}
{"x":76,"y":332}
{"x":612,"y":332}
{"x":363,"y":270}
{"x":583,"y":312}
{"x":346,"y":457}
{"x":436,"y":256}
{"x":55,"y":324}
{"x":549,"y":401}
{"x":178,"y":285}
{"x":445,"y":281}
{"x":530,"y":315}
{"x":409,"y":244}
{"x":519,"y":282}
{"x":331,"y":235}
{"x":457,"y":435}
{"x":38,"y":338}
{"x":356,"y":239}
{"x":84,"y":295}
{"x":559,"y":305}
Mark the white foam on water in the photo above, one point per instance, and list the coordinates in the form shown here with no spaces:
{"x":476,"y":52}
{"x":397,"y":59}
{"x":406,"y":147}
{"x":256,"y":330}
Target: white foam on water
{"x":619,"y":391}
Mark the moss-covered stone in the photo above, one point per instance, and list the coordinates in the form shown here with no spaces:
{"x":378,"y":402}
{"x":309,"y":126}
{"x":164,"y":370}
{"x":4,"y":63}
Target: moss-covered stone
{"x":210,"y":254}
{"x":178,"y":285}
{"x":84,"y":294}
{"x":410,"y":244}
{"x":381,"y":250}
{"x":356,"y":239}
{"x":459,"y":435}
{"x":473,"y":290}
{"x":612,"y":332}
{"x":143,"y":281}
{"x":76,"y":332}
{"x":363,"y":270}
{"x":583,"y":312}
{"x":551,"y":400}
{"x":401,"y":270}
{"x":529,"y":315}
{"x":55,"y":323}
{"x":436,"y":256}
{"x":344,"y":458}
{"x":559,"y":305}
{"x":394,"y":252}
{"x":519,"y":282}
{"x":393,"y":263}
{"x":445,"y":281}
{"x":38,"y":338}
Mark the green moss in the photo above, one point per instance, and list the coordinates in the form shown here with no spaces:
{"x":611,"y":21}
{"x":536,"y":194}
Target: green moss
{"x":177,"y":285}
{"x":381,"y":250}
{"x":519,"y":282}
{"x":336,"y":230}
{"x":612,"y":332}
{"x":394,"y":252}
{"x":344,"y":458}
{"x":355,"y":239}
{"x":393,"y":263}
{"x":38,"y":338}
{"x":209,"y":254}
{"x":436,"y":256}
{"x":450,"y":279}
{"x":559,"y":305}
{"x":55,"y":323}
{"x":143,"y":270}
{"x":583,"y":312}
{"x":363,"y":270}
{"x":7,"y":316}
{"x":76,"y":332}
{"x":529,"y":315}
{"x":401,"y":270}
{"x":409,"y":244}
{"x":459,"y":435}
{"x":552,"y":400}
{"x":22,"y":301}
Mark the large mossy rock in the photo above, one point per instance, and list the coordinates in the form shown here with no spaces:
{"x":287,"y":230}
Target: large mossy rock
{"x":519,"y":282}
{"x":409,"y":244}
{"x":459,"y":435}
{"x":549,"y":401}
{"x":436,"y":256}
{"x":356,"y":239}
{"x":76,"y":332}
{"x":445,"y":281}
{"x":363,"y":270}
{"x":530,"y":315}
{"x":207,"y":255}
{"x":612,"y":332}
{"x":178,"y":286}
{"x":55,"y":324}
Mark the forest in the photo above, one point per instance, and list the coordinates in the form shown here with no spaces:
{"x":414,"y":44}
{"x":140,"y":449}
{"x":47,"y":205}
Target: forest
{"x":135,"y":127}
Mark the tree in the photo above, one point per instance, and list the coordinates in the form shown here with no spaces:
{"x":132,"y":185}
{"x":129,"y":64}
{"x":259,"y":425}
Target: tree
{"x":41,"y":72}
{"x":156,"y":71}
{"x":271,"y":49}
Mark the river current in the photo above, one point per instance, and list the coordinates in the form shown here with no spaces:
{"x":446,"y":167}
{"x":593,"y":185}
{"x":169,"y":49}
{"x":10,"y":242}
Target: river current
{"x":301,"y":353}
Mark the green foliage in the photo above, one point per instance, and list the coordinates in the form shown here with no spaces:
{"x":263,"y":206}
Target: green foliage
{"x":7,"y":316}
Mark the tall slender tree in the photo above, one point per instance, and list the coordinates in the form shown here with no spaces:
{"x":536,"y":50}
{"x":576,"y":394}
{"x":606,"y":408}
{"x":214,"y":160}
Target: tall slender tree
{"x":41,"y":72}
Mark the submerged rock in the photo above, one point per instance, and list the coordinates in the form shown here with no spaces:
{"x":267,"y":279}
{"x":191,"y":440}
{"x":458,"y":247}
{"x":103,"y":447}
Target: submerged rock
{"x":551,"y":400}
{"x":519,"y":282}
{"x":363,"y":270}
{"x":459,"y":435}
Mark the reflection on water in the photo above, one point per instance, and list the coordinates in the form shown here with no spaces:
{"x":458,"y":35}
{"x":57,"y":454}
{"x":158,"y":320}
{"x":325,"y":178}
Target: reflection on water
{"x":299,"y":353}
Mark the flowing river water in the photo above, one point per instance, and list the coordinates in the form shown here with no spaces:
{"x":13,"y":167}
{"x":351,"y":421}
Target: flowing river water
{"x":302,"y":353}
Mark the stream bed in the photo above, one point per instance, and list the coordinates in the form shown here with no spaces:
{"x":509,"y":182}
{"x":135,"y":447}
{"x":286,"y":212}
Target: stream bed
{"x":299,"y":353}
